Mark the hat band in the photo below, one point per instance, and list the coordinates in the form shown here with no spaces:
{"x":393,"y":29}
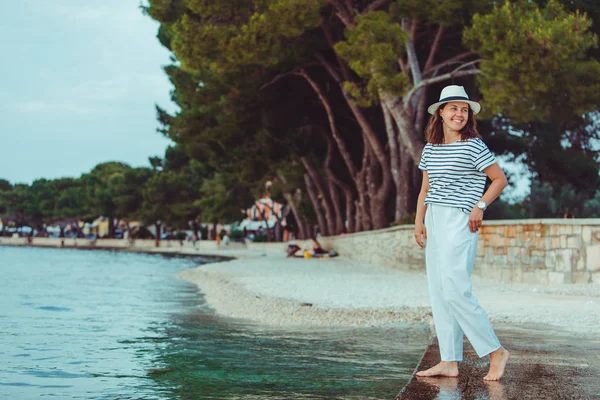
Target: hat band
{"x":454,"y":98}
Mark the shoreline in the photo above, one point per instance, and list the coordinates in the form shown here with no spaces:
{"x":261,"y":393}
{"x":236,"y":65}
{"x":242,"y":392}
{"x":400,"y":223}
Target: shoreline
{"x":270,"y":289}
{"x":278,"y":291}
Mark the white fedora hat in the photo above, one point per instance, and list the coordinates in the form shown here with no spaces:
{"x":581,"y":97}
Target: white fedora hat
{"x":454,"y":93}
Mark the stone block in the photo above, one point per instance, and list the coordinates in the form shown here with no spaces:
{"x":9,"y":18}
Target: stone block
{"x":593,"y":258}
{"x":560,"y":260}
{"x":535,"y":277}
{"x":517,"y":274}
{"x":580,"y":264}
{"x":555,"y":230}
{"x":500,"y":250}
{"x":563,"y":241}
{"x":586,"y":234}
{"x":507,"y":275}
{"x":510,"y":231}
{"x":574,"y":242}
{"x":519,"y":228}
{"x":595,"y":236}
{"x":529,"y":227}
{"x":558,"y":277}
{"x":582,"y":277}
{"x":538,"y":253}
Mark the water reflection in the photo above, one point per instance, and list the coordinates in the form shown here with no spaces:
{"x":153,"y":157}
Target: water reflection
{"x":439,"y":388}
{"x":208,"y":358}
{"x":446,"y":388}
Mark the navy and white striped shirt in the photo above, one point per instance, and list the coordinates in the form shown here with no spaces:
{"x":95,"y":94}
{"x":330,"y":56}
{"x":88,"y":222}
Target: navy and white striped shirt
{"x":455,"y":172}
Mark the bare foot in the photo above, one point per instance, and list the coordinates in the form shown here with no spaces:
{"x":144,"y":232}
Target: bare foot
{"x":444,"y":368}
{"x":498,"y":360}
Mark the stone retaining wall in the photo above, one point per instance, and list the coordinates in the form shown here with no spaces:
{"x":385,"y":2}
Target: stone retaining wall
{"x":527,"y":251}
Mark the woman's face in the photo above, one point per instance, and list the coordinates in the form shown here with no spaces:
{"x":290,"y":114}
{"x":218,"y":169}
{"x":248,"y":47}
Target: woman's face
{"x":455,"y":115}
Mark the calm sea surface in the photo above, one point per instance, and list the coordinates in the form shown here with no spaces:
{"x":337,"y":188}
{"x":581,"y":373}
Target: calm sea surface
{"x":78,"y":324}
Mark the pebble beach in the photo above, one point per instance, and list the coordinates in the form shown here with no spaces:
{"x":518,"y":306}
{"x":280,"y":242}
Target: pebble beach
{"x":275,"y":290}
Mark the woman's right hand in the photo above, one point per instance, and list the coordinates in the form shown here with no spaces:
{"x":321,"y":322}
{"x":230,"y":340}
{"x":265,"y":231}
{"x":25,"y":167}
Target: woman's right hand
{"x":420,"y":234}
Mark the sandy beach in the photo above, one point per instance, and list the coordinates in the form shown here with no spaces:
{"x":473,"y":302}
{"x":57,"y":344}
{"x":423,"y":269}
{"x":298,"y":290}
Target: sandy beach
{"x":276,"y":290}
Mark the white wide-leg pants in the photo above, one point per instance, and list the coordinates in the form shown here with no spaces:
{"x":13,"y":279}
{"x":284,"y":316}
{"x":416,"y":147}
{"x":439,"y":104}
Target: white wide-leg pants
{"x":450,"y":253}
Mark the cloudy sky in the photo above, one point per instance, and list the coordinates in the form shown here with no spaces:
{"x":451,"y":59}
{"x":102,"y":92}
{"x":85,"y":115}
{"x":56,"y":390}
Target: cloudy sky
{"x":80,"y":81}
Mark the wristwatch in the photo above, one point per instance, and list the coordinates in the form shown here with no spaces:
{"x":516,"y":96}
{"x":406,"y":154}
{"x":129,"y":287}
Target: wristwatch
{"x":481,"y":205}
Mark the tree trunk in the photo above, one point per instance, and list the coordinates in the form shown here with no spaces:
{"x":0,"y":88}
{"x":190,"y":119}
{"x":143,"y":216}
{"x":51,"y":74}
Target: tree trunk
{"x":364,"y":203}
{"x":354,"y":172}
{"x":327,"y":204}
{"x":369,"y":136}
{"x":333,"y":190}
{"x":337,"y":204}
{"x":406,"y":167}
{"x":315,"y":202}
{"x":157,"y":240}
{"x":357,"y":217}
{"x":377,"y":199}
{"x":408,"y":136}
{"x":395,"y":162}
{"x":291,"y":200}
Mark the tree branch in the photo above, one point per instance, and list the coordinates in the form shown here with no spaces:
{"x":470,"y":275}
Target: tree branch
{"x":342,"y":13}
{"x":437,"y":79}
{"x":332,"y":71}
{"x":329,"y":36}
{"x":413,"y":61}
{"x":375,"y":5}
{"x":276,"y":79}
{"x":449,"y":61}
{"x":434,"y":47}
{"x":284,"y":75}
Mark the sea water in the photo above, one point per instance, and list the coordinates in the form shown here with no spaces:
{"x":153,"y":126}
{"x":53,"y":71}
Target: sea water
{"x":77,"y":324}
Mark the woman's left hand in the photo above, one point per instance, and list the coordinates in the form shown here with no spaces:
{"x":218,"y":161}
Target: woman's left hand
{"x":475,"y":219}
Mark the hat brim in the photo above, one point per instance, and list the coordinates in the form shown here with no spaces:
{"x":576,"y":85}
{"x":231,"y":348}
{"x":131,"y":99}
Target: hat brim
{"x":475,"y":106}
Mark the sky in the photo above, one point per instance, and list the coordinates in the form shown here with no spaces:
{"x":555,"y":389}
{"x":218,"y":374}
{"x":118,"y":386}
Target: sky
{"x":80,"y":83}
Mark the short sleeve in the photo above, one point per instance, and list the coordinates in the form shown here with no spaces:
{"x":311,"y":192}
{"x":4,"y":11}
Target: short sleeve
{"x":484,"y":158}
{"x":423,"y":162}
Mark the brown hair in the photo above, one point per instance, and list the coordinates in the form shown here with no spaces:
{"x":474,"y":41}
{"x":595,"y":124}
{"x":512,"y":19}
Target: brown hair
{"x":434,"y":133}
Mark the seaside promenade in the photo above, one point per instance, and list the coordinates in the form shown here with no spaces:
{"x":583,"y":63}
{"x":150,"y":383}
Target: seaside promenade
{"x":552,"y":330}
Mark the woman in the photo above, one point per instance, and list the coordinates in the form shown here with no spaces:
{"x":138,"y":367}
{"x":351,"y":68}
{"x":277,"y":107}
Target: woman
{"x":455,"y":163}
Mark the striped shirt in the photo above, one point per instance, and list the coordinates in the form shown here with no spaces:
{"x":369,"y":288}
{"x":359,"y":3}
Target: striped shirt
{"x":455,"y":172}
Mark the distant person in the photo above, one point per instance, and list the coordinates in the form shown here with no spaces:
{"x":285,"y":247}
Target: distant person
{"x":292,"y":249}
{"x":316,"y":247}
{"x":218,"y":240}
{"x":455,"y":164}
{"x":226,"y":239}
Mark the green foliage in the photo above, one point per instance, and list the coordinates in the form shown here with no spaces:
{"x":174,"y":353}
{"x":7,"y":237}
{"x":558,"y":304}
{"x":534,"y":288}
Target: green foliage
{"x":372,"y":49}
{"x":546,"y":201}
{"x":222,"y":198}
{"x":500,"y":209}
{"x":535,"y":60}
{"x":447,"y":12}
{"x":219,"y":37}
{"x":236,"y":234}
{"x":591,"y":208}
